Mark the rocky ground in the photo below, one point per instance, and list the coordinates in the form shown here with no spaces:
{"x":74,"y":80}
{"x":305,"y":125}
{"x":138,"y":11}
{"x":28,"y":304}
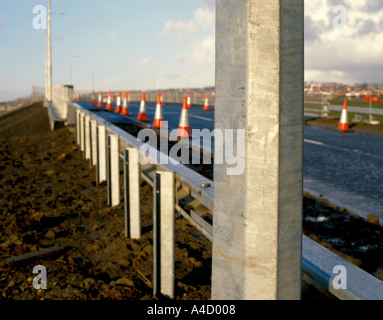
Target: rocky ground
{"x":49,"y":198}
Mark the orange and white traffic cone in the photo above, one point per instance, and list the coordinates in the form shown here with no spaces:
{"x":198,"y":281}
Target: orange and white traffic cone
{"x":158,"y":118}
{"x":129,"y":98}
{"x":184,"y":128}
{"x":93,"y":99}
{"x":109,"y":103}
{"x":125,"y":109}
{"x":206,"y":105}
{"x":118,"y":104}
{"x":161,"y":99}
{"x":189,"y":101}
{"x":343,"y":123}
{"x":99,"y":103}
{"x":142,"y":116}
{"x":78,"y":96}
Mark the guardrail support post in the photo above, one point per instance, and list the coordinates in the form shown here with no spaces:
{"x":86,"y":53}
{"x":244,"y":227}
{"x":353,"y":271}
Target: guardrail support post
{"x":257,"y":233}
{"x":87,"y":137}
{"x":101,"y":154}
{"x":77,"y":126}
{"x":112,"y":170}
{"x":132,"y":207}
{"x":82,"y":132}
{"x":93,"y":143}
{"x":163,"y":234}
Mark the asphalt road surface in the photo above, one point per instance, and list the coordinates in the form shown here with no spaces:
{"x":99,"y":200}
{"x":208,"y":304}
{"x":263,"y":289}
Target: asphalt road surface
{"x":344,"y":168}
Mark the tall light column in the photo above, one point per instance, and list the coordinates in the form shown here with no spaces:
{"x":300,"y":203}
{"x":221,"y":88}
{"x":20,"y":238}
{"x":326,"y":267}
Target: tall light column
{"x":48,"y":61}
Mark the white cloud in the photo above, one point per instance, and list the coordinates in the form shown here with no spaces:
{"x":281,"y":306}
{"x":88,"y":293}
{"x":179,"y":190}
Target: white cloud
{"x":179,"y":29}
{"x":203,"y":17}
{"x":147,"y":63}
{"x":201,"y":53}
{"x":210,"y":4}
{"x":346,"y":55}
{"x":112,"y":35}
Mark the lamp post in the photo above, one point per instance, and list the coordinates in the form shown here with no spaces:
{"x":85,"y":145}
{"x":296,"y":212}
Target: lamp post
{"x":48,"y":61}
{"x":48,"y":57}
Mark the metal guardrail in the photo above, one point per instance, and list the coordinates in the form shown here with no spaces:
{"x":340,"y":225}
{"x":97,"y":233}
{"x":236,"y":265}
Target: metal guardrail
{"x":55,"y":120}
{"x":333,"y":107}
{"x":195,"y":192}
{"x":318,"y":263}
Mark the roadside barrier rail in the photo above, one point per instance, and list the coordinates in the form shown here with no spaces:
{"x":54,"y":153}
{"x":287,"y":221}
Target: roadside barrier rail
{"x":178,"y":188}
{"x":357,"y":110}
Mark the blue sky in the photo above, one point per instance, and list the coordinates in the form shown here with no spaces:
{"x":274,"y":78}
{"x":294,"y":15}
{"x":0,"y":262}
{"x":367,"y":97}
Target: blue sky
{"x":120,"y":44}
{"x":146,"y":44}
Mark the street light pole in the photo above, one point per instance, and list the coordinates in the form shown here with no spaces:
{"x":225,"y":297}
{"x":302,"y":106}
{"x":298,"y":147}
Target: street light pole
{"x":48,"y":71}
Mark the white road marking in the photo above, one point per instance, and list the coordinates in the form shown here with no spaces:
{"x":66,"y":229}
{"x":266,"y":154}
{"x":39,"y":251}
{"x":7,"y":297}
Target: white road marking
{"x":200,"y":117}
{"x":340,"y":148}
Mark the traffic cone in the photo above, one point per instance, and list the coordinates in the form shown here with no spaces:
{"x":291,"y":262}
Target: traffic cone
{"x":158,"y":118}
{"x":206,"y":106}
{"x":125,"y":109}
{"x":343,"y":123}
{"x":109,"y":103}
{"x":93,"y":99}
{"x":129,"y":99}
{"x":142,"y":112}
{"x":183,"y":128}
{"x":99,"y":103}
{"x":118,"y":104}
{"x":189,"y":101}
{"x":161,"y":99}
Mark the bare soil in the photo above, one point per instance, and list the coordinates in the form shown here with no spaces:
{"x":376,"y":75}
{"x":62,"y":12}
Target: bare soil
{"x":48,"y":197}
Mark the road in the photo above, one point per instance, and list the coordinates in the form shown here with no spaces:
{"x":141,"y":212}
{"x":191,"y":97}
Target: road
{"x":344,"y":168}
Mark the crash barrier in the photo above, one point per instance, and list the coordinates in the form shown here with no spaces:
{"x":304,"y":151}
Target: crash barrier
{"x":58,"y":108}
{"x":326,"y":108}
{"x":178,"y":188}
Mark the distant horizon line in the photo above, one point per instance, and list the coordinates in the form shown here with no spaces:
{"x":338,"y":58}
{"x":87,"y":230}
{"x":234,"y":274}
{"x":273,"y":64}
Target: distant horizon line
{"x":306,"y":82}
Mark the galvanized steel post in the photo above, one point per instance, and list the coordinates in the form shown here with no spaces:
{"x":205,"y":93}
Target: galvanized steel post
{"x":87,"y":137}
{"x":112,"y":170}
{"x":101,"y":161}
{"x":257,"y":216}
{"x":93,"y":143}
{"x":132,"y":194}
{"x":163,"y":234}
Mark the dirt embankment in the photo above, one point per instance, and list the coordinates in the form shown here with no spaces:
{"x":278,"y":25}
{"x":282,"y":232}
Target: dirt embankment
{"x":49,"y":198}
